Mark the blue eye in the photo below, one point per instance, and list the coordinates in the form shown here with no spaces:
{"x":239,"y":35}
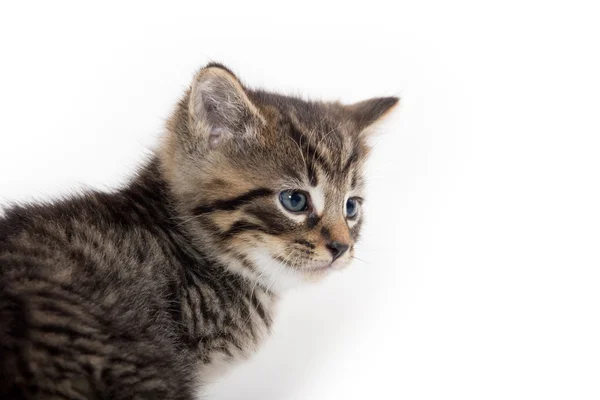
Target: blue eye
{"x":294,"y":200}
{"x":351,"y":208}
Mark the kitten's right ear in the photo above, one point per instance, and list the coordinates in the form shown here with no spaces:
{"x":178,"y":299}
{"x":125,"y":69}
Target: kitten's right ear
{"x":220,"y":107}
{"x":368,"y":112}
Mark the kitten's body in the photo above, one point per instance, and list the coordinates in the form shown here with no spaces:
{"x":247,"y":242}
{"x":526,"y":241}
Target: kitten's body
{"x":107,"y":287}
{"x":149,"y":291}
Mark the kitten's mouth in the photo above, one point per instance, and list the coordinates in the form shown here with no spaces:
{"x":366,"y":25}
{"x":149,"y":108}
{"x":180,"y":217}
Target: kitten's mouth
{"x":319,"y":267}
{"x":315,"y":269}
{"x":324,"y":267}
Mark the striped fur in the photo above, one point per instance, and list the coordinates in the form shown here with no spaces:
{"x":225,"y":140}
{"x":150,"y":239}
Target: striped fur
{"x":149,"y":291}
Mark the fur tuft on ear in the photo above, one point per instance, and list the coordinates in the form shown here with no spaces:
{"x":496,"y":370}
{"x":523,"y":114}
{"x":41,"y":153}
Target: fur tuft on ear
{"x":219,"y":105}
{"x":367,"y":112}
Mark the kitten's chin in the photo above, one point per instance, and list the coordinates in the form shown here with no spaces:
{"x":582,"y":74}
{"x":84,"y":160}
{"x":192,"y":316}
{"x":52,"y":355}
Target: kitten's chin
{"x":316,"y":272}
{"x":278,"y":277}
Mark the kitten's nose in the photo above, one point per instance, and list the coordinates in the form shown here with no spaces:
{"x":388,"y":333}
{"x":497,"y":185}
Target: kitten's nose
{"x":337,"y":249}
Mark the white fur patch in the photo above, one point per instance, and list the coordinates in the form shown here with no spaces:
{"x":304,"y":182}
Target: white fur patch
{"x":273,"y":274}
{"x":317,"y":197}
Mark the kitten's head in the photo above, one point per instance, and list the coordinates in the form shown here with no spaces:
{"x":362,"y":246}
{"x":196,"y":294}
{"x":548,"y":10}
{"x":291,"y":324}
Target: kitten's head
{"x":270,"y":185}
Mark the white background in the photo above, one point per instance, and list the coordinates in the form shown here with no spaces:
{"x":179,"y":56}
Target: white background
{"x":481,"y":269}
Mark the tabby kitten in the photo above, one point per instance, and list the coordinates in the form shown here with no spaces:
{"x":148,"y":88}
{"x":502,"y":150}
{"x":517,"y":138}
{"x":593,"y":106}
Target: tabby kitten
{"x":149,"y":291}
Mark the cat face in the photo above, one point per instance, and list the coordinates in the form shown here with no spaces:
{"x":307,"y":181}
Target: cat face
{"x":271,"y":186}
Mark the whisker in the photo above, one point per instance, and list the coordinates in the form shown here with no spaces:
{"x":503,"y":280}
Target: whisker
{"x":359,"y":259}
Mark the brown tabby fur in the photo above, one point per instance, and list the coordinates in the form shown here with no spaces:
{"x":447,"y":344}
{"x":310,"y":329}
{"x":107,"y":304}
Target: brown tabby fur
{"x":149,"y":291}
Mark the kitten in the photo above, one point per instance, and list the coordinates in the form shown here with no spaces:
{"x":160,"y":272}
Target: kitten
{"x":151,"y":290}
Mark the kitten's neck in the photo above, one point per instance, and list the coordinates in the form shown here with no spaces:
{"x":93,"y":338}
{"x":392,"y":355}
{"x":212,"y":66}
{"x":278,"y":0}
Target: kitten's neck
{"x":205,"y":297}
{"x":151,"y":188}
{"x":188,"y":230}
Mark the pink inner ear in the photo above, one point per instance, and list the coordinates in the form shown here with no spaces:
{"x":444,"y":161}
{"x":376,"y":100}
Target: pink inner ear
{"x":216,"y":135}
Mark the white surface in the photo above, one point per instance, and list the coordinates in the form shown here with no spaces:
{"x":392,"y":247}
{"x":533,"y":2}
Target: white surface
{"x":482,"y":268}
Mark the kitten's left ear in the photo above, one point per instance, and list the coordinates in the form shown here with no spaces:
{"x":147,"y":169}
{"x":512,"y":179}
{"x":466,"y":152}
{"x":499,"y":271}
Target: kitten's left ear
{"x":366,"y":113}
{"x":220,"y":107}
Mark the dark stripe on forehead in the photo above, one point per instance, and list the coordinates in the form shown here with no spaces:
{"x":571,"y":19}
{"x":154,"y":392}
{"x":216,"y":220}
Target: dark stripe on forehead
{"x":234,"y":203}
{"x":312,"y":154}
{"x":354,"y":180}
{"x":302,"y":142}
{"x":312,"y":174}
{"x":351,"y":160}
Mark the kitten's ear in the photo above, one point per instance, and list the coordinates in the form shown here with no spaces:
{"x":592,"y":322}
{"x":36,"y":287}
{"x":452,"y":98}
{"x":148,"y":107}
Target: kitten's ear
{"x":366,"y":113}
{"x":220,"y":107}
